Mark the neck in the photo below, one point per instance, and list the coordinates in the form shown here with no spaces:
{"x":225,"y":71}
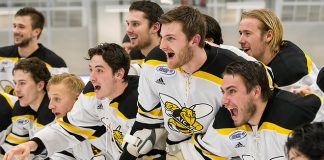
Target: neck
{"x":28,"y":50}
{"x":155,"y":41}
{"x":198,"y":60}
{"x":267,"y":56}
{"x":35,"y":105}
{"x":256,"y":117}
{"x":119,"y":90}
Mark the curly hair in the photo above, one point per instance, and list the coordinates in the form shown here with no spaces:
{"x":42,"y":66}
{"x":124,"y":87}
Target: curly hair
{"x":36,"y":67}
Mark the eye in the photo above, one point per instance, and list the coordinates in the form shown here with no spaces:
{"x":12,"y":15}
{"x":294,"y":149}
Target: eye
{"x":56,"y":99}
{"x":135,"y":24}
{"x":231,"y":91}
{"x":170,"y":38}
{"x":99,"y":70}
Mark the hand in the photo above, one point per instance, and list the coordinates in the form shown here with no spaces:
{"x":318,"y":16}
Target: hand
{"x":22,"y":150}
{"x":303,"y":91}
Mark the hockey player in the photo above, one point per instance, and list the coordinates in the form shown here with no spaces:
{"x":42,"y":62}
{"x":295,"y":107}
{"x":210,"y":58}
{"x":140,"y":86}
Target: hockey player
{"x":108,"y":103}
{"x":255,"y":120}
{"x":143,"y":30}
{"x":179,"y":86}
{"x":27,"y":28}
{"x":30,"y":113}
{"x":261,"y":34}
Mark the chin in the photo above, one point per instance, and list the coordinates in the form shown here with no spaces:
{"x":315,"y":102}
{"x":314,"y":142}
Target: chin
{"x":23,"y":104}
{"x":99,"y":96}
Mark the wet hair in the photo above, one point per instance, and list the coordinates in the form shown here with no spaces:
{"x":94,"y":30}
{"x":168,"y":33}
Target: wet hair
{"x":192,"y":21}
{"x":308,"y":140}
{"x":214,"y":31}
{"x":269,"y":21}
{"x":151,"y":10}
{"x":37,"y":18}
{"x":114,"y":55}
{"x":252,"y":74}
{"x":74,"y":83}
{"x":35,"y":67}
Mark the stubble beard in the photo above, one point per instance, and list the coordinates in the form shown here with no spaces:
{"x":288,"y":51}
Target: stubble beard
{"x":249,"y":112}
{"x":185,"y":55}
{"x":24,"y":43}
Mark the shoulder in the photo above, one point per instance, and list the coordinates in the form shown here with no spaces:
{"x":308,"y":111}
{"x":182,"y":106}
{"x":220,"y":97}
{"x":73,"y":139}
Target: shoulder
{"x":156,"y":54}
{"x":88,"y":89}
{"x":218,"y":59}
{"x":49,"y":57}
{"x":290,"y":64}
{"x":18,"y":110}
{"x":128,"y":100}
{"x":44,"y":114}
{"x":9,"y":51}
{"x":223,"y":119}
{"x":136,"y":54}
{"x":289,"y":110}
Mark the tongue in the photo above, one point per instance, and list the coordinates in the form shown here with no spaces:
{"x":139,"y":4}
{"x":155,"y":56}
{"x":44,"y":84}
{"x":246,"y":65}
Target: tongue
{"x":234,"y":112}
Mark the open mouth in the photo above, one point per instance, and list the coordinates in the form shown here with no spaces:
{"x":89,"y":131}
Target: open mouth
{"x":97,"y":88}
{"x":234,"y":112}
{"x":170,"y":54}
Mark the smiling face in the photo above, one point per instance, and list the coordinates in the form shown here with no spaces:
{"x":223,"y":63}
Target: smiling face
{"x":236,"y":99}
{"x":102,"y":78}
{"x":138,"y":29}
{"x":23,"y":32}
{"x":252,"y":40}
{"x":61,"y":99}
{"x":175,"y":45}
{"x":26,"y":89}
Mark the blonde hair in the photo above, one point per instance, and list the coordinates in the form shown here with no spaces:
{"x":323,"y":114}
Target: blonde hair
{"x":73,"y":82}
{"x":269,"y":22}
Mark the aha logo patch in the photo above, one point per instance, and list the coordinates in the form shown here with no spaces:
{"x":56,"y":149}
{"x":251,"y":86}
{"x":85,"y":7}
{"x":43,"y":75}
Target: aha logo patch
{"x":165,"y":71}
{"x":23,"y":121}
{"x":237,"y":135}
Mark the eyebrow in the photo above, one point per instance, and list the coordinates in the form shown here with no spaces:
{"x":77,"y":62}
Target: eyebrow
{"x":228,"y":87}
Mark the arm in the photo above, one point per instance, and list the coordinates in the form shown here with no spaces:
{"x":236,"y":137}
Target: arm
{"x":80,"y":124}
{"x":22,"y":150}
{"x":147,"y":129}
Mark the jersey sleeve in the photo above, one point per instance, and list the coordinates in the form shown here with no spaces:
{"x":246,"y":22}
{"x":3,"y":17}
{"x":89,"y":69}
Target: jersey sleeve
{"x":149,"y":108}
{"x":7,"y":103}
{"x":80,"y":124}
{"x":213,"y":144}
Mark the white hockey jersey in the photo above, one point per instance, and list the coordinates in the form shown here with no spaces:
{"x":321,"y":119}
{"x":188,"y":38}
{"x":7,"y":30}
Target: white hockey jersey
{"x":184,"y":103}
{"x":88,"y":121}
{"x":284,"y":112}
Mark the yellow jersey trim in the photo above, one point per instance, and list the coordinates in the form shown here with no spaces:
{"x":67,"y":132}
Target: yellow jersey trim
{"x":15,"y":139}
{"x":119,"y":114}
{"x":8,"y":99}
{"x":82,"y":132}
{"x":274,"y":127}
{"x":207,"y":153}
